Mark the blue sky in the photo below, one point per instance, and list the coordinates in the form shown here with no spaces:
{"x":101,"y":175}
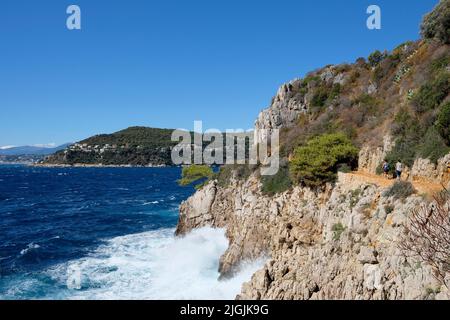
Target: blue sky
{"x":168,"y":63}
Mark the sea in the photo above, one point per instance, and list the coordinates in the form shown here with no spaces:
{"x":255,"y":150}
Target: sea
{"x":105,"y":234}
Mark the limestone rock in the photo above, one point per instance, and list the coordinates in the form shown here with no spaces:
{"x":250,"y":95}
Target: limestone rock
{"x":306,"y":258}
{"x":283,"y":112}
{"x":367,"y":255}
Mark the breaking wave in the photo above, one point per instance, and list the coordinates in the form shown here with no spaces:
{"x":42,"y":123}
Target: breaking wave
{"x":150,"y":265}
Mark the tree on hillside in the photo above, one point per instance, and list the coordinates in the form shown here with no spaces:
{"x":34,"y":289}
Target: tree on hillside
{"x":436,"y":25}
{"x":375,"y":58}
{"x":443,"y":122}
{"x":317,"y":162}
{"x":195,"y":173}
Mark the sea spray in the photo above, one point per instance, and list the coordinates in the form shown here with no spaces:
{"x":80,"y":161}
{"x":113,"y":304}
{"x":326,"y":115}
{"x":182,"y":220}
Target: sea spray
{"x":156,"y":265}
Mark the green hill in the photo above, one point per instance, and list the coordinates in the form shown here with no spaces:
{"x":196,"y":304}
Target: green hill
{"x":138,"y":146}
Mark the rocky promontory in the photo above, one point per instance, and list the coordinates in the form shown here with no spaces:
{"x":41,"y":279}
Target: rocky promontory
{"x":343,"y":239}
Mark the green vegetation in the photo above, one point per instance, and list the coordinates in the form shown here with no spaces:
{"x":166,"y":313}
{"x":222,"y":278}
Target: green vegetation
{"x":375,"y":58}
{"x":400,"y":190}
{"x":337,"y":229}
{"x":277,"y":183}
{"x":409,"y":133}
{"x":335,"y":91}
{"x":436,"y":25}
{"x":195,"y":173}
{"x":324,"y":94}
{"x":420,"y":136}
{"x":317,"y":162}
{"x":237,"y":171}
{"x":402,"y":47}
{"x":433,"y":146}
{"x":389,"y":208}
{"x":367,"y":104}
{"x":320,"y":97}
{"x":137,"y":146}
{"x":432,"y":93}
{"x":443,"y":122}
{"x":386,"y":67}
{"x":134,"y":136}
{"x":344,"y":168}
{"x":440,"y":63}
{"x":355,"y":196}
{"x":426,"y":133}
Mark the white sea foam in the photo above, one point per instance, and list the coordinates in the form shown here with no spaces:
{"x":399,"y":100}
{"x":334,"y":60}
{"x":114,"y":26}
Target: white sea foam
{"x":31,"y":246}
{"x":151,"y":202}
{"x":155,"y":265}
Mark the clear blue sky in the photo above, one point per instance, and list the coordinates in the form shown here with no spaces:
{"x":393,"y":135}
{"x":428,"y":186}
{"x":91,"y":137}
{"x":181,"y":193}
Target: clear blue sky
{"x":168,"y":63}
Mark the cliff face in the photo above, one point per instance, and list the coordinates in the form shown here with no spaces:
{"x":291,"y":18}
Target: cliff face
{"x":341,"y":243}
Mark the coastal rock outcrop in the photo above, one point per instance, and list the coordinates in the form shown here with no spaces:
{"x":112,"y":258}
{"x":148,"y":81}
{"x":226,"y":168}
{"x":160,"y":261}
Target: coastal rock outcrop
{"x":426,"y":169}
{"x":284,"y":110}
{"x":371,"y":158}
{"x":339,"y":243}
{"x":340,"y":240}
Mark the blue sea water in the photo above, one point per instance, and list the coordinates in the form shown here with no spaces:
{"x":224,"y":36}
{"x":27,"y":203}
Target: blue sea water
{"x":104,"y":233}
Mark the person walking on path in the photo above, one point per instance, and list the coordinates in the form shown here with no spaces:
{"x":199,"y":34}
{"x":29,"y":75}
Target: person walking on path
{"x":399,"y":169}
{"x":386,"y":168}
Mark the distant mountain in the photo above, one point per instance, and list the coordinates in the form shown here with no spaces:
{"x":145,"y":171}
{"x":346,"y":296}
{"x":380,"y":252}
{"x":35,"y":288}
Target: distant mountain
{"x":32,"y":150}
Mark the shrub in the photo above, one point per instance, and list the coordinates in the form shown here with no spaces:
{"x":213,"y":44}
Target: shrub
{"x":409,"y":133}
{"x":195,"y":173}
{"x":427,"y":236}
{"x":355,"y":196}
{"x":433,"y":146}
{"x":320,"y":97}
{"x":226,"y":172}
{"x":375,"y":58}
{"x":436,"y":25}
{"x":335,"y":91}
{"x":389,"y":208}
{"x":354,"y":75}
{"x":378,"y":74}
{"x":420,"y":137}
{"x":443,"y":122}
{"x":317,"y":162}
{"x":277,"y":183}
{"x":345,"y":168}
{"x":432,"y":93}
{"x":400,"y":190}
{"x":337,"y":229}
{"x":368,"y":104}
{"x":406,"y":150}
{"x":403,"y":47}
{"x":440,"y":63}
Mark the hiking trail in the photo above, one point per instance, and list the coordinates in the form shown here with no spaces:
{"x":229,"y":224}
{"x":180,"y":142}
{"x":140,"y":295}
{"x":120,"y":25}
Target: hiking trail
{"x":422,"y":186}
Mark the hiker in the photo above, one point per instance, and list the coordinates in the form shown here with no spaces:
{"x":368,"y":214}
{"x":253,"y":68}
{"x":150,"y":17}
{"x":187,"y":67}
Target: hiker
{"x":398,"y":169}
{"x":386,"y":168}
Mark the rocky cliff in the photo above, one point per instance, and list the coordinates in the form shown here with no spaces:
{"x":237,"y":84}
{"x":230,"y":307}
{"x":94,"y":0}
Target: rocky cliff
{"x":340,"y":241}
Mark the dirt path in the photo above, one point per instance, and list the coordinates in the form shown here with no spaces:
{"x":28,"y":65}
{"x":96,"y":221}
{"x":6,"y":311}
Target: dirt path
{"x":422,"y":186}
